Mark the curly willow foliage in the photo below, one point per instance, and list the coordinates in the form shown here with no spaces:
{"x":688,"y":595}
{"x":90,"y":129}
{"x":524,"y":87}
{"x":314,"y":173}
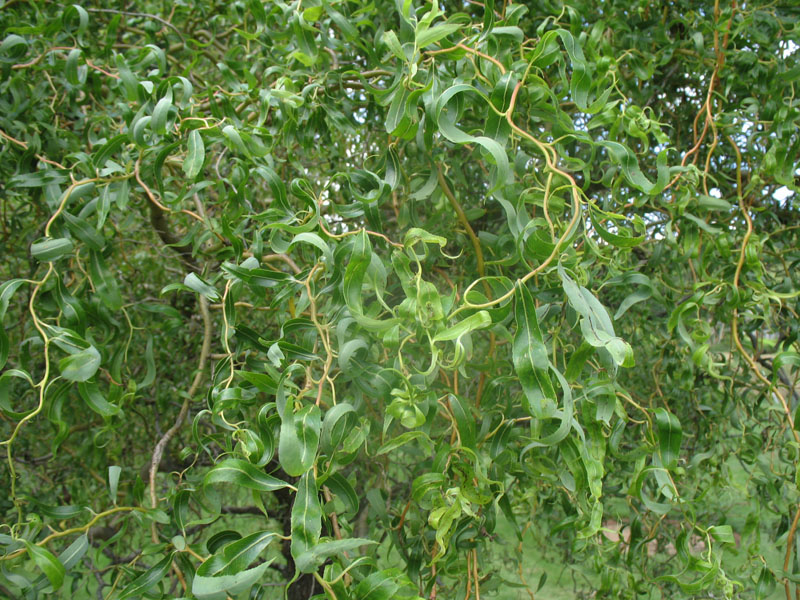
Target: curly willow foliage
{"x":368,"y":300}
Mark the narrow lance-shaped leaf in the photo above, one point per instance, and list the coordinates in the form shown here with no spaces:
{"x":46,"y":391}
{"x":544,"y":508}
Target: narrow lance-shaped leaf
{"x":49,"y":564}
{"x":447,"y":127}
{"x":479,"y":320}
{"x":245,"y":474}
{"x":104,"y":282}
{"x":309,"y":560}
{"x":7,"y":290}
{"x":670,"y":433}
{"x":236,"y":556}
{"x":435,"y":34}
{"x":193,"y":162}
{"x":595,"y":323}
{"x":201,"y":287}
{"x":221,"y":587}
{"x":148,"y":579}
{"x":50,"y":250}
{"x":357,"y":266}
{"x":299,"y":439}
{"x":531,"y":362}
{"x":80,"y":366}
{"x":306,"y":516}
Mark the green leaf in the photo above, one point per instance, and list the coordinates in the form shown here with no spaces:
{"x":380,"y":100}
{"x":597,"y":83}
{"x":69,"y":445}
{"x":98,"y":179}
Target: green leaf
{"x":625,"y":158}
{"x":464,"y":421}
{"x":595,"y":323}
{"x":237,"y":555}
{"x":235,"y":140}
{"x":377,"y":586}
{"x":150,"y":371}
{"x":531,"y":361}
{"x":345,"y":26}
{"x":306,"y":516}
{"x":73,"y":553}
{"x":479,"y":320}
{"x":104,"y":282}
{"x":578,"y":360}
{"x":52,"y":249}
{"x":390,"y":39}
{"x":13,"y":48}
{"x":7,"y":290}
{"x":244,"y":474}
{"x":82,"y":230}
{"x":620,"y":241}
{"x":148,"y":579}
{"x":80,"y":366}
{"x":49,"y":564}
{"x":308,"y":561}
{"x":581,"y":80}
{"x":712,"y":203}
{"x":403,"y":439}
{"x":257,"y":8}
{"x":669,"y":433}
{"x":432,"y":35}
{"x":341,"y":488}
{"x":104,"y":154}
{"x":193,"y":163}
{"x":138,"y":128}
{"x":75,"y":75}
{"x":445,"y":119}
{"x":193,"y":282}
{"x":94,"y":399}
{"x":223,"y":586}
{"x":113,"y":481}
{"x":416,"y":234}
{"x":360,"y":260}
{"x":312,"y":13}
{"x":723,"y":533}
{"x":339,"y":421}
{"x":299,"y":439}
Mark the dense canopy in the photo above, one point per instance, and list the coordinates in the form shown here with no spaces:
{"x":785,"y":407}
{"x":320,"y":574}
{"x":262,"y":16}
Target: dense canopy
{"x":364,"y":300}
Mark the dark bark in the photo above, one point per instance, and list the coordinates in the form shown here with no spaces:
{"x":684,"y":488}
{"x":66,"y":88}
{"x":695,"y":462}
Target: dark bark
{"x":159,"y":222}
{"x":304,"y":587}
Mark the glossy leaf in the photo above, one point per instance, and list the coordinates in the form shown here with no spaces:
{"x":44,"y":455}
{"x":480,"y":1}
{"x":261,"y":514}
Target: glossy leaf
{"x":242,"y":473}
{"x":531,"y":362}
{"x":193,"y":163}
{"x":49,"y":564}
{"x":80,"y":366}
{"x":52,"y":249}
{"x":147,"y":580}
{"x":306,"y":516}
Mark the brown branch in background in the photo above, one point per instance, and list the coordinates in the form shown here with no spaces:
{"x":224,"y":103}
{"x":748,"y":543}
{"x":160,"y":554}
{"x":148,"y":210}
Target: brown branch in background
{"x":24,"y":146}
{"x":138,"y":14}
{"x":159,"y":222}
{"x":751,"y":362}
{"x":158,"y":451}
{"x":35,"y":61}
{"x":462,"y":218}
{"x":476,"y":245}
{"x":706,"y":107}
{"x":284,"y":258}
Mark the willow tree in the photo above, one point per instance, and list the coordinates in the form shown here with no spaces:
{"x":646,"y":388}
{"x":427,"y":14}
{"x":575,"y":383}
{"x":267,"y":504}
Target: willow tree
{"x":346,"y":300}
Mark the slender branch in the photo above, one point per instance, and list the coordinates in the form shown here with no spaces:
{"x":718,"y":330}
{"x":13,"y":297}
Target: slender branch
{"x":138,"y":14}
{"x":462,"y":218}
{"x":158,"y":451}
{"x":284,"y":258}
{"x":73,"y":530}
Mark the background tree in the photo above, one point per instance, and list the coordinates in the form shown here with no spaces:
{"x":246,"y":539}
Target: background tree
{"x":348,"y":299}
